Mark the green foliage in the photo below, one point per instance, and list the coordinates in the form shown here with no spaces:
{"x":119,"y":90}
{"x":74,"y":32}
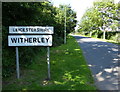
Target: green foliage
{"x":69,"y":71}
{"x":70,"y":18}
{"x":29,"y":14}
{"x":104,"y":15}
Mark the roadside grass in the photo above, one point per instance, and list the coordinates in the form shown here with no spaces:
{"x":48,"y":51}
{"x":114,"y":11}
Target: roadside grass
{"x":69,"y":71}
{"x":105,"y":40}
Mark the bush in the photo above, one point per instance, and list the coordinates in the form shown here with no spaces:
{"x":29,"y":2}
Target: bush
{"x":23,"y":14}
{"x":26,"y":14}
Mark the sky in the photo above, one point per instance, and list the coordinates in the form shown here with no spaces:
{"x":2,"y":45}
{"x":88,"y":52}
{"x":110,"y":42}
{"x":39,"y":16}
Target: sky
{"x":79,"y":6}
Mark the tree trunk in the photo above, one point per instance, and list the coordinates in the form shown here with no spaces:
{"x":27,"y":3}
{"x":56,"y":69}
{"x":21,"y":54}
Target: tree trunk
{"x":104,"y":34}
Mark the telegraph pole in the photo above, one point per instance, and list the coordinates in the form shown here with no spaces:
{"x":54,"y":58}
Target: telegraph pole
{"x":65,"y":26}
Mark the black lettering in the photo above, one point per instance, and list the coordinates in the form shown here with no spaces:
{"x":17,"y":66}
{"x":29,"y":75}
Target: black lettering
{"x":30,"y":40}
{"x":23,"y":30}
{"x":34,"y":29}
{"x":18,"y":40}
{"x":43,"y":40}
{"x":47,"y":39}
{"x":34,"y":40}
{"x":21,"y":39}
{"x":41,"y":30}
{"x":14,"y":30}
{"x":30,"y":29}
{"x":20,"y":29}
{"x":14,"y":40}
{"x":38,"y":39}
{"x":26,"y":40}
{"x":46,"y":29}
{"x":26,"y":29}
{"x":38,"y":29}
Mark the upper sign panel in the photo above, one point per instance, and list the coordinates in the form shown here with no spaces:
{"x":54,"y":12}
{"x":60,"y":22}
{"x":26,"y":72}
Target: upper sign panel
{"x":30,"y":30}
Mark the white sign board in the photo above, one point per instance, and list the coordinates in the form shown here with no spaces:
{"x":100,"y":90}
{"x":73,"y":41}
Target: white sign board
{"x":30,"y":30}
{"x":30,"y":40}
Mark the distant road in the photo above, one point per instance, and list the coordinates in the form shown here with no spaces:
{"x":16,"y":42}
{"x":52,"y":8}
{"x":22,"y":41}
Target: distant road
{"x":102,"y":58}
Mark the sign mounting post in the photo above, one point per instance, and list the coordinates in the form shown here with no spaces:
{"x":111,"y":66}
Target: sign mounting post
{"x":17,"y":63}
{"x":48,"y":62}
{"x":30,"y":36}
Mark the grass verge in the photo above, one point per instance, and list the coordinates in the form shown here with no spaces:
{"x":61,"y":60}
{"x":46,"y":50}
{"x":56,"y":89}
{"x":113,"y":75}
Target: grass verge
{"x":69,"y":71}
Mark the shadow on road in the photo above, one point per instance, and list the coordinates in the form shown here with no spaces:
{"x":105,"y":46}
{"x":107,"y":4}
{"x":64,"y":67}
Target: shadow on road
{"x":102,"y":58}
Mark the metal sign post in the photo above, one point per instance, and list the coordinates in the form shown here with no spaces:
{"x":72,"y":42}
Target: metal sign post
{"x":48,"y":61}
{"x":30,"y":36}
{"x":17,"y":63}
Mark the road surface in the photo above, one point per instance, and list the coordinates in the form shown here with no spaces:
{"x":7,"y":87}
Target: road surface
{"x":102,"y":58}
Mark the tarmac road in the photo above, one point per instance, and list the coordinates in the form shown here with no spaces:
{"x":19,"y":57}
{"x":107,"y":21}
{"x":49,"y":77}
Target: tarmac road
{"x":102,"y":58}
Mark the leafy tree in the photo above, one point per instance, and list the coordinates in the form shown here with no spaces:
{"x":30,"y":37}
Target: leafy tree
{"x":102,"y":16}
{"x":26,"y":14}
{"x":70,"y":18}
